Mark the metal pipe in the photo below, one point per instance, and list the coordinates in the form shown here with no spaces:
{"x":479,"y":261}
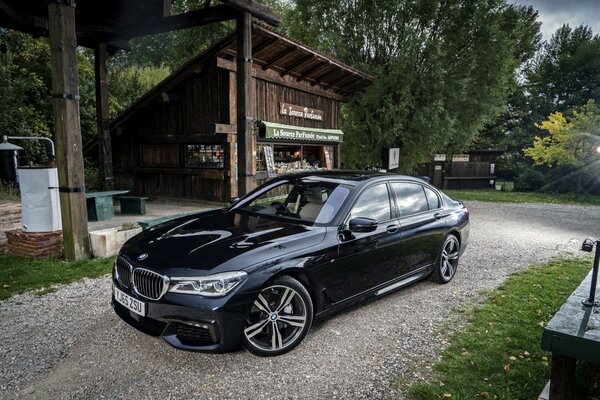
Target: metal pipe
{"x":590,"y":302}
{"x":5,"y":139}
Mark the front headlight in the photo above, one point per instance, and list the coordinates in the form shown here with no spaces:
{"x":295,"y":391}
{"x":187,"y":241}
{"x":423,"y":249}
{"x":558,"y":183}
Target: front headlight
{"x":209,"y":286}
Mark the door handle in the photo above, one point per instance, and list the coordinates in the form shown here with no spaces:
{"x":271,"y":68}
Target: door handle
{"x":438,"y":215}
{"x":392,"y":228}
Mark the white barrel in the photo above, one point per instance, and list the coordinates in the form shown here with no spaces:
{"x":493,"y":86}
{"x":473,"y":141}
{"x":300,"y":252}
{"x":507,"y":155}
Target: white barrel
{"x":40,"y":201}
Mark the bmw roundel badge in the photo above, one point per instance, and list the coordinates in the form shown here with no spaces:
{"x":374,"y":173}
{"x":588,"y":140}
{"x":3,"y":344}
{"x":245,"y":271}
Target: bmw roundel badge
{"x":142,"y":256}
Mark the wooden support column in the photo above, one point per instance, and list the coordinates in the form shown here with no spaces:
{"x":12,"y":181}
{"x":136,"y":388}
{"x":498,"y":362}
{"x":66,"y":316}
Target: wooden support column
{"x":69,"y":156}
{"x":102,"y":115}
{"x":245,"y":99}
{"x":562,"y":378}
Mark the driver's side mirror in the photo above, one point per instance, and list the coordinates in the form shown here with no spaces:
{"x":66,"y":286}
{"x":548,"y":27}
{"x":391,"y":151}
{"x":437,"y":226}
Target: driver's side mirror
{"x":233,"y":200}
{"x":361,"y":224}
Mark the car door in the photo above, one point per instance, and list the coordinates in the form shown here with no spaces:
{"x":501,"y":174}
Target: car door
{"x":422,"y":223}
{"x":365,"y":259}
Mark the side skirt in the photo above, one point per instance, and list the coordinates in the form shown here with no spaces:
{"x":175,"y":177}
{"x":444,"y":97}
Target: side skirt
{"x":377,"y":291}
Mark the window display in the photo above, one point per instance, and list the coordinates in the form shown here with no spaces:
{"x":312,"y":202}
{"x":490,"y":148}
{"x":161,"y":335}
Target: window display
{"x":294,"y":157}
{"x":204,"y":155}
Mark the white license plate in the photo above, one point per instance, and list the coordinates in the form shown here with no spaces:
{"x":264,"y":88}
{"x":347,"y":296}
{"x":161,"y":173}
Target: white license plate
{"x":138,"y":307}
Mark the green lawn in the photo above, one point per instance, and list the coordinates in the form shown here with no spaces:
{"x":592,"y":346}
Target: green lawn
{"x":521,"y":197}
{"x":18,"y":275}
{"x":497,"y":353}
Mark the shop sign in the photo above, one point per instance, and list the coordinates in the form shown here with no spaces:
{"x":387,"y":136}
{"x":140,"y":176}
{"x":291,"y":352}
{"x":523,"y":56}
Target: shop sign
{"x":300,"y":112}
{"x":460,"y":158}
{"x":394,"y":158}
{"x":439,"y":157}
{"x":297,"y":133}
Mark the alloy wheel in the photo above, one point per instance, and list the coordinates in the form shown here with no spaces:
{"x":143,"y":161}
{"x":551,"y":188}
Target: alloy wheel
{"x":277,"y":319}
{"x":449,"y":258}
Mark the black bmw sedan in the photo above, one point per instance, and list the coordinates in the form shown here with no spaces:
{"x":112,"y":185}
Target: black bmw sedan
{"x":298,"y":248}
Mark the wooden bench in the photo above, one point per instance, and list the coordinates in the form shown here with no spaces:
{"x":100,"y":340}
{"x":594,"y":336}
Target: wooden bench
{"x":572,"y":334}
{"x":100,"y":204}
{"x":133,"y":205}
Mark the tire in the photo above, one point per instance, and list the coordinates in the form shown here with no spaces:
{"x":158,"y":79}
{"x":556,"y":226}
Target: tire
{"x":279,"y":318}
{"x":447,"y":261}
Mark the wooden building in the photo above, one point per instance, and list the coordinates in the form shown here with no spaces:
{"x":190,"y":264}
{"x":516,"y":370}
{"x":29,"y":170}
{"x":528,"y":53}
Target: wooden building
{"x":179,"y":139}
{"x":475,"y":169}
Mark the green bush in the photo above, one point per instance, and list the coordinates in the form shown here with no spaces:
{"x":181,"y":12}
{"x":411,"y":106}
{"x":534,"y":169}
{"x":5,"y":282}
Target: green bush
{"x":94,"y":175}
{"x":530,"y":180}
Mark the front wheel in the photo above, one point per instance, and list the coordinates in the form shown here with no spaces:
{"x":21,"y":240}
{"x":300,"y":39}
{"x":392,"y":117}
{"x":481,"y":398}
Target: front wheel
{"x":279,"y":318}
{"x":447,"y":262}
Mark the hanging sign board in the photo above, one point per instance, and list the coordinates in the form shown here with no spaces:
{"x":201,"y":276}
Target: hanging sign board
{"x":269,"y":161}
{"x":460,"y":158}
{"x":394,"y":158}
{"x":439,"y":157}
{"x":300,"y":112}
{"x":298,"y":133}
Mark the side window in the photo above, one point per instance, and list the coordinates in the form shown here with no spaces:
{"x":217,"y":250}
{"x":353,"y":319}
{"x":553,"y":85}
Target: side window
{"x":373,"y":203}
{"x":432,"y":199}
{"x":410,"y":198}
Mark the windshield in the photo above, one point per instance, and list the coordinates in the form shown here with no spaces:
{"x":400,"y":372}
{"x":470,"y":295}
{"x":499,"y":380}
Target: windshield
{"x":305,"y":200}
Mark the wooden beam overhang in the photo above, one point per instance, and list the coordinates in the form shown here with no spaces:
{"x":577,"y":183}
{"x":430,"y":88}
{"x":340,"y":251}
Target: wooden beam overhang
{"x":290,"y":68}
{"x":278,"y":57}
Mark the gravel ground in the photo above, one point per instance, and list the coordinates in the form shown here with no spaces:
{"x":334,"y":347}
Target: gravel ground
{"x":70,"y":344}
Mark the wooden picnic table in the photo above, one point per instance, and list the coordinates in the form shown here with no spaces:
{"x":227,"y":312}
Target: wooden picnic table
{"x":572,"y":334}
{"x":100,"y":204}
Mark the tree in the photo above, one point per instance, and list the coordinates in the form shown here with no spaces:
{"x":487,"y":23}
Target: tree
{"x":443,"y":69}
{"x":566,"y":73}
{"x":570,"y":141}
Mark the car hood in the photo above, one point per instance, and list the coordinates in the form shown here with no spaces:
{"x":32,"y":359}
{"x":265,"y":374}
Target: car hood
{"x":217,"y":241}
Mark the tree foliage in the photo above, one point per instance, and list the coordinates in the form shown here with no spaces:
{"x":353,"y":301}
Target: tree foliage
{"x":443,"y":69}
{"x":570,"y":141}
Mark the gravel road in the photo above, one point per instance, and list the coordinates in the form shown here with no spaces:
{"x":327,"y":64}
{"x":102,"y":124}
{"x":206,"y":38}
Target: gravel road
{"x":70,"y":344}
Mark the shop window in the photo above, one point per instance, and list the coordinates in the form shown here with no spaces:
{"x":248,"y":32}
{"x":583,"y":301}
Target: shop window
{"x":204,"y":155}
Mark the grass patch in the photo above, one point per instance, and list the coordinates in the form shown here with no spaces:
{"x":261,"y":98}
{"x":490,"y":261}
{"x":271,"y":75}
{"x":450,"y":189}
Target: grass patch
{"x":18,"y":275}
{"x":522,"y":197}
{"x":497,"y":353}
{"x":8,"y":191}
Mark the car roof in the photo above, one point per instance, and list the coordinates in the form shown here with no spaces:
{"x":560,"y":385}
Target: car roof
{"x":348,"y":177}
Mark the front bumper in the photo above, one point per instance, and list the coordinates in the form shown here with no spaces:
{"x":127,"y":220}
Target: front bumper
{"x":190,"y":322}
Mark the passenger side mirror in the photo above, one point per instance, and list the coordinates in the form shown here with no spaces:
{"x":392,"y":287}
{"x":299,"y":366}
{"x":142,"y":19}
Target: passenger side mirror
{"x":362,"y":225}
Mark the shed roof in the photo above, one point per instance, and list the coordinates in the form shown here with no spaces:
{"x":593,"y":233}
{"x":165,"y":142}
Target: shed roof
{"x":270,"y":50}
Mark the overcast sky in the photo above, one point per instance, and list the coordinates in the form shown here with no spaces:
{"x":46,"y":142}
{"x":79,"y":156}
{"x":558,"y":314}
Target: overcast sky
{"x":554,"y":13}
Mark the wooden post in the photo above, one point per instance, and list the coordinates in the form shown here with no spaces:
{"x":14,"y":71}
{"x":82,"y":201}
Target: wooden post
{"x":69,"y":156}
{"x":102,"y":115}
{"x":245,"y":99}
{"x":562,"y":378}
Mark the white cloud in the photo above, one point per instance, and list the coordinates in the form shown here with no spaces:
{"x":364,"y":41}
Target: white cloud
{"x":554,"y":13}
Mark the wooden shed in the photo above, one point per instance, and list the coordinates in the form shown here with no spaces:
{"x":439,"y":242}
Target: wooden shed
{"x":179,"y":139}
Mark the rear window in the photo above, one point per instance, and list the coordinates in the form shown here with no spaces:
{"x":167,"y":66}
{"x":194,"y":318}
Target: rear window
{"x":410,"y":198}
{"x":432,"y":199}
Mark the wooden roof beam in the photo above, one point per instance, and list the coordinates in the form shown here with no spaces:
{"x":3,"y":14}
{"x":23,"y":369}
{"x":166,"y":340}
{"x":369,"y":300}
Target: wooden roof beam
{"x":320,"y":78}
{"x":256,"y":10}
{"x":263,"y":45}
{"x":279,"y":56}
{"x":303,"y":74}
{"x":297,"y":63}
{"x":203,"y":16}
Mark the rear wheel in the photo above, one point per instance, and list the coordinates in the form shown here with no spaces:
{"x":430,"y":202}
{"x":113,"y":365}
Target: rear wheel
{"x":447,"y":262}
{"x":279,"y":319}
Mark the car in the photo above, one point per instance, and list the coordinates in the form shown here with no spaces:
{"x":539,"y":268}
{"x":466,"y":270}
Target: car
{"x":298,"y":248}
